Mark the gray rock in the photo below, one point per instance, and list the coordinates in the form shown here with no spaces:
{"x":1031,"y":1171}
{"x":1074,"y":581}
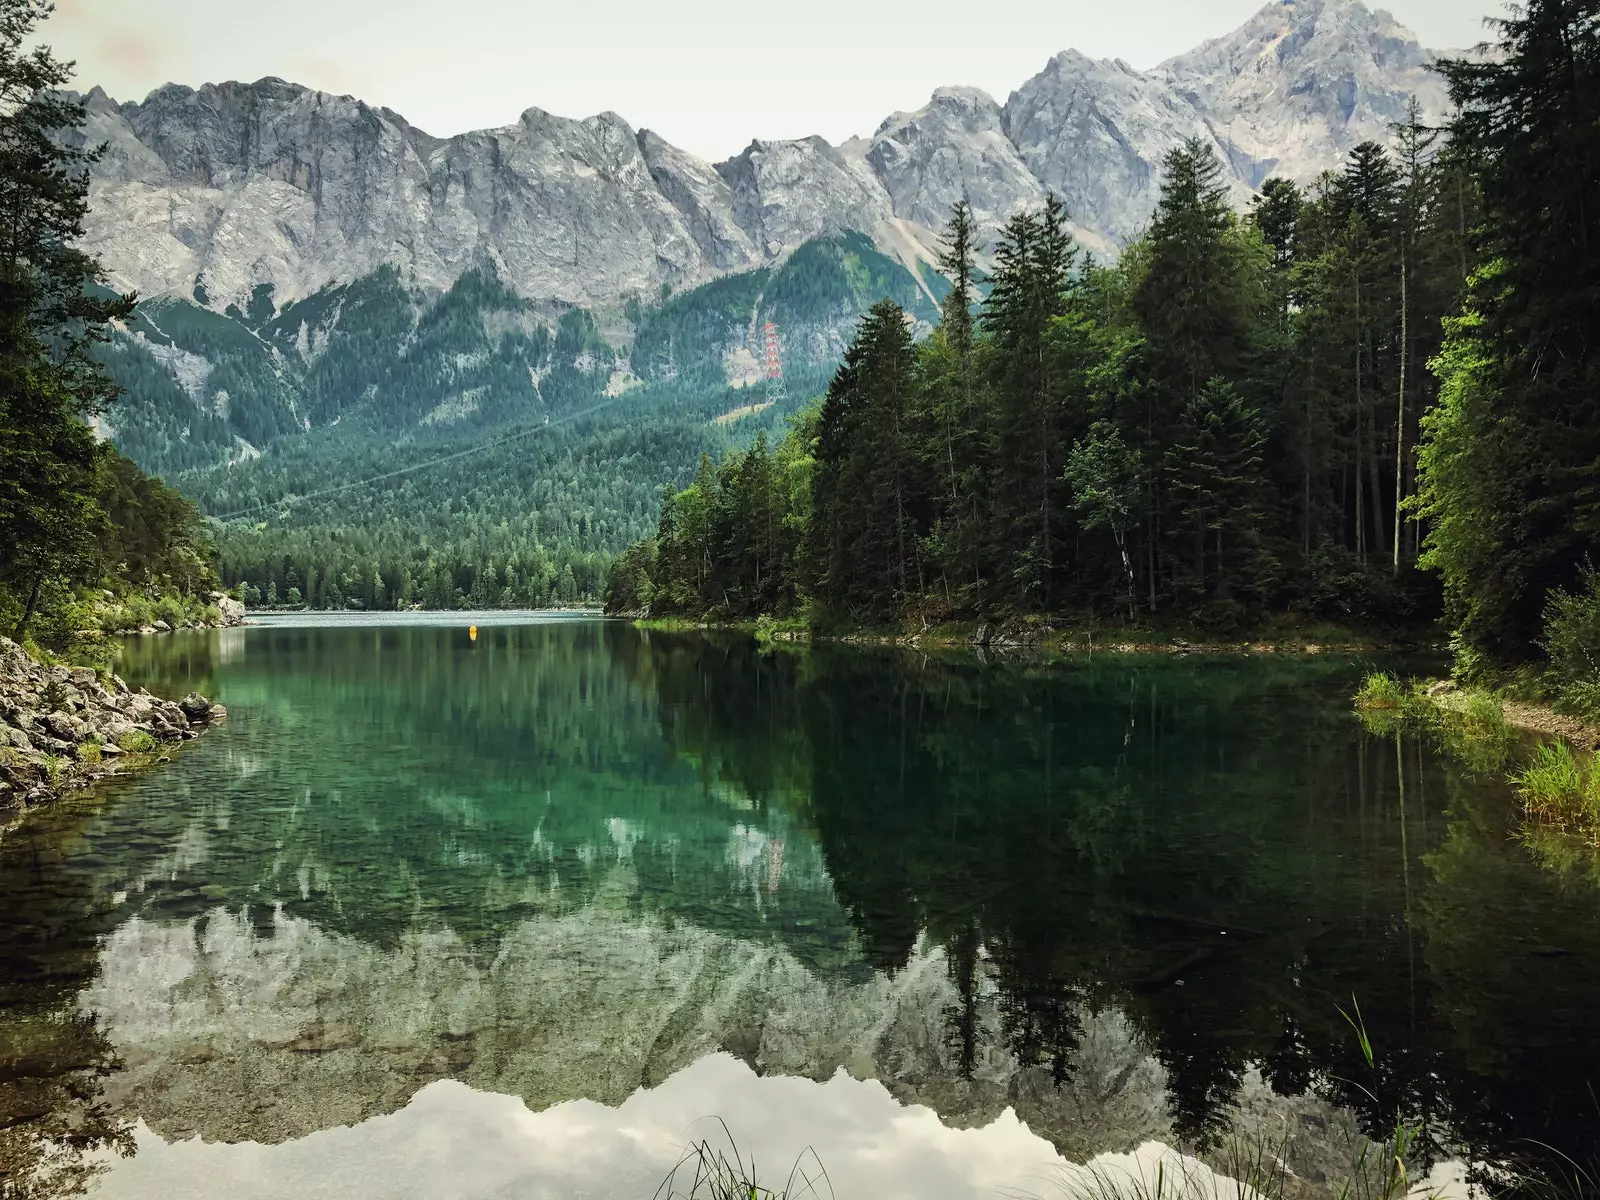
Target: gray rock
{"x":195,"y":706}
{"x":232,"y":611}
{"x":237,"y":185}
{"x":59,"y":727}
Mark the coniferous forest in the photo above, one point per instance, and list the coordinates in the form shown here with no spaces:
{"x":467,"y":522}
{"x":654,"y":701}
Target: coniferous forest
{"x":1369,"y":401}
{"x":79,"y":522}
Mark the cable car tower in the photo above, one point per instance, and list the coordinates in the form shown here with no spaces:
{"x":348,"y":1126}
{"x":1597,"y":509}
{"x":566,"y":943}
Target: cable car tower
{"x":776,"y":388}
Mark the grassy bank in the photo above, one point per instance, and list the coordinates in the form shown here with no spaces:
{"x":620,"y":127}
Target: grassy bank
{"x":1557,"y":779}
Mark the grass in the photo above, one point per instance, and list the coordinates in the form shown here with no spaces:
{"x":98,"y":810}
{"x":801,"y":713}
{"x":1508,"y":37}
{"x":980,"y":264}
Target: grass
{"x":1484,"y":717}
{"x":1556,"y":788}
{"x":89,"y":754}
{"x":1381,"y":691}
{"x":56,"y":771}
{"x":709,"y":1173}
{"x":137,"y":741}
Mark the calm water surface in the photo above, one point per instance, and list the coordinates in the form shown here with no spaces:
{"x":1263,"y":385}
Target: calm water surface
{"x":433,"y":915}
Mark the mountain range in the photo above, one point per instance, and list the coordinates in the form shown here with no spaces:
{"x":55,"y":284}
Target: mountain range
{"x":557,"y":317}
{"x":236,"y":190}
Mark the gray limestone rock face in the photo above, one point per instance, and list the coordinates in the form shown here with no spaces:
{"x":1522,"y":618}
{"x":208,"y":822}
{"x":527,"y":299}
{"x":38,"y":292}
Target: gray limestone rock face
{"x":786,"y":192}
{"x":218,"y":191}
{"x":1304,"y":82}
{"x":953,"y":149}
{"x":704,"y":199}
{"x":1096,"y":133}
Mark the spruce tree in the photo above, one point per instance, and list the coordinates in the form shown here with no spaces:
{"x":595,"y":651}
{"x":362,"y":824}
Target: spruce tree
{"x":1522,"y":426}
{"x":53,"y":313}
{"x":1033,"y":266}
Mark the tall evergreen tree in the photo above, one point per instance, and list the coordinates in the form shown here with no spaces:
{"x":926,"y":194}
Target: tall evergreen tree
{"x":53,"y":312}
{"x":1521,"y":434}
{"x":867,"y":492}
{"x":1028,"y":292}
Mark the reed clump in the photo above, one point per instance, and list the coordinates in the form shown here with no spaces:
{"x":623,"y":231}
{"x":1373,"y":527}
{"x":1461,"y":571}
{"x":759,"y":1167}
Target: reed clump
{"x":1381,"y":692}
{"x":1559,"y":790}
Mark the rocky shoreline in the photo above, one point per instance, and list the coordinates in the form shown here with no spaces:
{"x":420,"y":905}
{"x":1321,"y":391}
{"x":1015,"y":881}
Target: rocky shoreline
{"x":68,"y":727}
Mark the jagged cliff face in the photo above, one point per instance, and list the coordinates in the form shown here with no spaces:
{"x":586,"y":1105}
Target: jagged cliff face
{"x":235,"y":186}
{"x":1303,"y":82}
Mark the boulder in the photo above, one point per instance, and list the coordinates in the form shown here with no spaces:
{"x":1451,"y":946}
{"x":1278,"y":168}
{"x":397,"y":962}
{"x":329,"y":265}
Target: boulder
{"x":59,"y":727}
{"x":160,"y":626}
{"x":196,"y":707}
{"x":232,"y":611}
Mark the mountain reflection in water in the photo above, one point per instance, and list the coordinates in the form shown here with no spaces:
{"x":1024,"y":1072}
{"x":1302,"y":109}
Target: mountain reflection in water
{"x":565,"y":861}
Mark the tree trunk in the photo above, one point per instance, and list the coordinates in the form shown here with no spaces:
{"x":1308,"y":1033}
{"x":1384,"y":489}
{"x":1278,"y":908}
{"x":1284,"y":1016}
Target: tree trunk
{"x":1361,"y":509}
{"x":27,"y":613}
{"x":1400,"y":420}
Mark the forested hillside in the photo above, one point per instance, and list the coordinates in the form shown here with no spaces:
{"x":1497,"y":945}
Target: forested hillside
{"x":86,"y":539}
{"x":1220,"y":427}
{"x":1328,"y":405}
{"x":556,"y":427}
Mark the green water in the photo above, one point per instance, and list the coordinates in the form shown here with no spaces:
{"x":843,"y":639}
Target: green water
{"x":568,"y":858}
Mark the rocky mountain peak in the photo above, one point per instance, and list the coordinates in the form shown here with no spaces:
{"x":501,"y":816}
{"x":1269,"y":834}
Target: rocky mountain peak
{"x":1304,"y":81}
{"x":220,"y":190}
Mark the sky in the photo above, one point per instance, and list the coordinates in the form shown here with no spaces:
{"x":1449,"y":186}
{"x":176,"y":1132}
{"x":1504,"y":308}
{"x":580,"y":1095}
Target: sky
{"x":707,"y":75}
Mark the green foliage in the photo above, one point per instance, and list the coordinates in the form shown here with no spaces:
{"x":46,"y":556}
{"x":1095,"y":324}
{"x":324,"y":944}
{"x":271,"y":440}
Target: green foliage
{"x":53,"y":316}
{"x":1555,"y":788}
{"x":1572,"y":644}
{"x":1513,"y":457}
{"x":75,"y":516}
{"x":1100,"y":440}
{"x":1381,"y":690}
{"x":137,"y":741}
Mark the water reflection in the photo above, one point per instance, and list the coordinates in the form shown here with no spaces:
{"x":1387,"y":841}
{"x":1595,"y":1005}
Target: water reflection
{"x":452,"y":1140}
{"x":1124,"y":900}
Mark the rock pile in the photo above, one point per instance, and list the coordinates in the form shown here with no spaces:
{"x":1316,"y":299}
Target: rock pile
{"x":65,"y":727}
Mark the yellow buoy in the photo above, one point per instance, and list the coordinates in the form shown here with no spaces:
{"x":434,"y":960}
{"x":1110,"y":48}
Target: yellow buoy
{"x":472,"y":632}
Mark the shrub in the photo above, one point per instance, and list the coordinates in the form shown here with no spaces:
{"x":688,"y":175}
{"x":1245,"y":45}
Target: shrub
{"x":1572,"y":644}
{"x":56,"y":770}
{"x":1381,"y":690}
{"x":1555,"y":788}
{"x":137,"y":741}
{"x":89,"y":754}
{"x":1484,"y":717}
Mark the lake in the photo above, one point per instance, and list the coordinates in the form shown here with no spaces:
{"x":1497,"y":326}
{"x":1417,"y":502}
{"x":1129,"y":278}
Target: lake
{"x":525,"y":912}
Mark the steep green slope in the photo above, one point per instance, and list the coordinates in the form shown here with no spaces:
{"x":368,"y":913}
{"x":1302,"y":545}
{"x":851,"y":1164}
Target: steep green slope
{"x":519,"y":445}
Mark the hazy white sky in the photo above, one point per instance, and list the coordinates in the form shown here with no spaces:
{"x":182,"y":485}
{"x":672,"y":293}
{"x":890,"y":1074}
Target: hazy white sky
{"x":708,"y":75}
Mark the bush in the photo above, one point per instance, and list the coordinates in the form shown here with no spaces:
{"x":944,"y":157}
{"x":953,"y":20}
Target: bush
{"x":137,"y":741}
{"x":1572,"y":644}
{"x":1555,"y":788}
{"x":1485,"y":717}
{"x":1381,"y":690}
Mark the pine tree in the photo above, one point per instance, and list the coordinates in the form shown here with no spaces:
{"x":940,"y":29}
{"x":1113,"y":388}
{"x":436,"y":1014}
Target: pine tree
{"x":1520,"y":430}
{"x":53,"y":313}
{"x":1034,"y":263}
{"x":869,"y":498}
{"x":1215,"y":478}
